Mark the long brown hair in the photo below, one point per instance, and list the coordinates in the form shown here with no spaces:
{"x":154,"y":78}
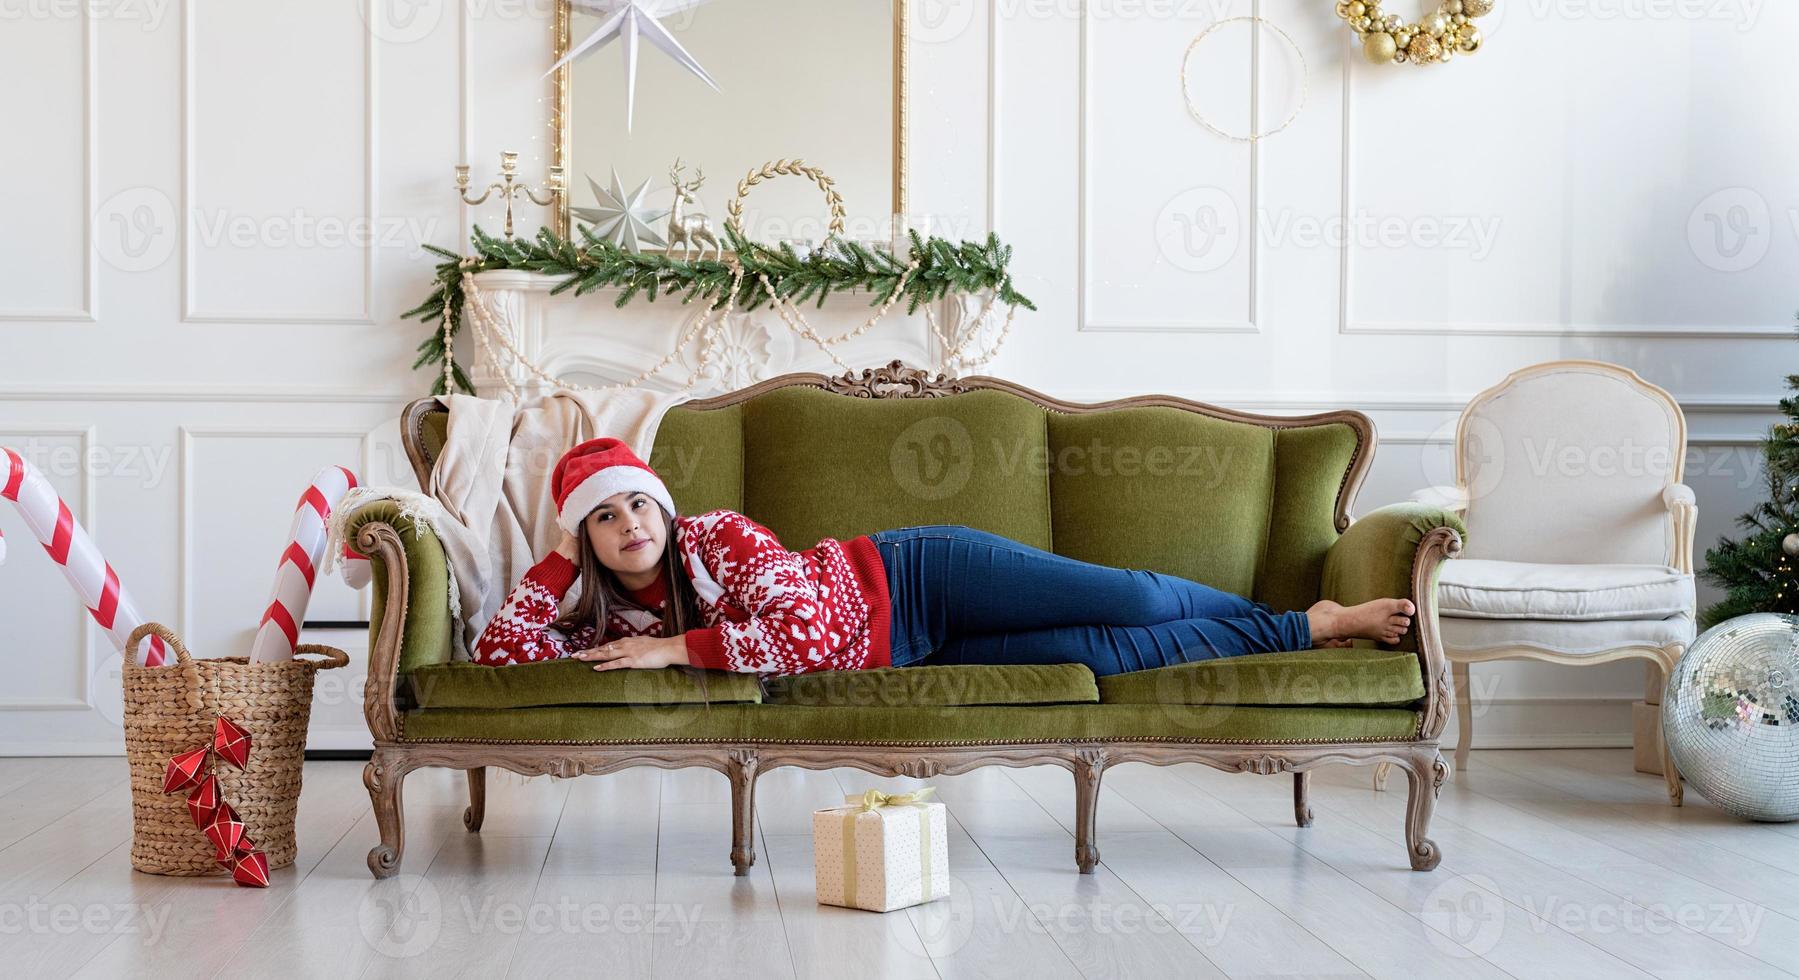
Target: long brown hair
{"x":602,"y":592}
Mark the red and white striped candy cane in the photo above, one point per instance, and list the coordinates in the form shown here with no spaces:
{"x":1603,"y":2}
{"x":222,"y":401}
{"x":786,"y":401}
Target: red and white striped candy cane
{"x":279,"y":630}
{"x":70,"y":547}
{"x":355,"y":569}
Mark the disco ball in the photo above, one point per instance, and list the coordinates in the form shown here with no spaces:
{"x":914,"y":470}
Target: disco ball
{"x":1731,"y":715}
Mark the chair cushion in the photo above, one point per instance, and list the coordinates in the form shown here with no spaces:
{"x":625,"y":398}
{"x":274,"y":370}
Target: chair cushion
{"x":1576,"y":636}
{"x":943,"y":684}
{"x":1344,"y":676}
{"x":928,"y":725}
{"x":1476,"y":588}
{"x":553,"y":682}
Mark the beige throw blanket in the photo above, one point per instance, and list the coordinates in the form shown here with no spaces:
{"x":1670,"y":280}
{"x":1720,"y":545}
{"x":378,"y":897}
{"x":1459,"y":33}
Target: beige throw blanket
{"x":489,"y":496}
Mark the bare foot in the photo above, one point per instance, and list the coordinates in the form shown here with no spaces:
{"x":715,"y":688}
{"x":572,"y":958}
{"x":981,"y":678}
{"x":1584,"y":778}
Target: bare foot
{"x":1381,"y":620}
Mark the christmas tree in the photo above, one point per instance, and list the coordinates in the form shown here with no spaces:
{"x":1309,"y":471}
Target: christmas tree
{"x":1757,"y":571}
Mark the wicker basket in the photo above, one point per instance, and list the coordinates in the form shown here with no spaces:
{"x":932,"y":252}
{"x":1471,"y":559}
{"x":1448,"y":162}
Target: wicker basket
{"x":172,"y":709}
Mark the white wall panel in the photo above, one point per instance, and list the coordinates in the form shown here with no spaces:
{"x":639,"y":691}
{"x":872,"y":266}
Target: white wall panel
{"x":47,"y":163}
{"x":1580,"y":175}
{"x":279,"y":184}
{"x":1164,"y":203}
{"x":239,"y":488}
{"x":49,"y":655}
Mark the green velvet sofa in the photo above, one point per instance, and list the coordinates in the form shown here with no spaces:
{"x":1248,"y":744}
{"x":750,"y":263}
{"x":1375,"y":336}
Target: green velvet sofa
{"x":1254,"y":504}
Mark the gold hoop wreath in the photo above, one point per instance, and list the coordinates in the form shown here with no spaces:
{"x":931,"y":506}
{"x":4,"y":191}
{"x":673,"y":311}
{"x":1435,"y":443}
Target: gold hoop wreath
{"x":777,"y":168}
{"x":1187,"y":94}
{"x":1433,"y":38}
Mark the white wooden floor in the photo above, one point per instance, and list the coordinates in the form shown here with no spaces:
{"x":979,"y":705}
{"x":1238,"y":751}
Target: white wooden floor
{"x":1555,"y":863}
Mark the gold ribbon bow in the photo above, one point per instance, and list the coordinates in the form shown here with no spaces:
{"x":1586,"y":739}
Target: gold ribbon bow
{"x":875,"y":799}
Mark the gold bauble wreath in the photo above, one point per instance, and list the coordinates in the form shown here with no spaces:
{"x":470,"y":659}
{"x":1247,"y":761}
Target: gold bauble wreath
{"x":778,"y":168}
{"x":1434,"y":37}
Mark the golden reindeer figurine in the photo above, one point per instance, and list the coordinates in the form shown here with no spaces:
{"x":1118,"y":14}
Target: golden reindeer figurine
{"x":690,"y":231}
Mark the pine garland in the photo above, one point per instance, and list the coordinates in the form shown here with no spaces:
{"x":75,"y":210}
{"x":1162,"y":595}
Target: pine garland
{"x":944,"y":268}
{"x":1756,"y":574}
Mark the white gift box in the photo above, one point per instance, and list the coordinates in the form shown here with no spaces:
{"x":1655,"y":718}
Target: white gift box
{"x":882,"y":851}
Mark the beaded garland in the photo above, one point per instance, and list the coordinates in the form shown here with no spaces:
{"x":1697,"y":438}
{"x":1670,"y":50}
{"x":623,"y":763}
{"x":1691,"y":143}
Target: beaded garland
{"x":1435,"y":37}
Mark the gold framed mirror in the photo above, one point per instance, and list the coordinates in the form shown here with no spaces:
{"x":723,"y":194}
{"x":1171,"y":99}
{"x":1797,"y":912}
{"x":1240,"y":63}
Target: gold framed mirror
{"x":818,"y":80}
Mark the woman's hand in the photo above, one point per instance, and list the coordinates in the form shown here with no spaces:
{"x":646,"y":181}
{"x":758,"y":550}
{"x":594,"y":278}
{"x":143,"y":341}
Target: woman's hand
{"x":569,"y":547}
{"x":637,"y":651}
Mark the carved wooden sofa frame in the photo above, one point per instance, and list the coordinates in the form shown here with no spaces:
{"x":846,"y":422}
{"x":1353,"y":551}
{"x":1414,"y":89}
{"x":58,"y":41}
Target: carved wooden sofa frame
{"x":741,"y":762}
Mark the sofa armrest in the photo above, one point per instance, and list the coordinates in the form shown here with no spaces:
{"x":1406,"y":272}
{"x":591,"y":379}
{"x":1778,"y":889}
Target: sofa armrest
{"x":1683,"y":513}
{"x":407,"y":562}
{"x":1397,"y":551}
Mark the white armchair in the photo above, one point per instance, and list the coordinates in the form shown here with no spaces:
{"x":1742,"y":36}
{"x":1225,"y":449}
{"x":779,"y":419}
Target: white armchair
{"x":1580,"y":533}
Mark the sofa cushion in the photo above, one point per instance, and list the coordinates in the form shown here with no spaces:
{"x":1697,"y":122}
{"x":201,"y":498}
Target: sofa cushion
{"x":929,"y":725}
{"x":1310,"y":463}
{"x":1476,"y":588}
{"x":1344,"y":676}
{"x":818,"y":464}
{"x":943,"y":684}
{"x":466,"y":685}
{"x":1164,"y":489}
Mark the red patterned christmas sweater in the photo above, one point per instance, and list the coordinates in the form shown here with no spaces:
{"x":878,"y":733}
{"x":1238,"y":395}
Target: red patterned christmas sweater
{"x":766,"y":609}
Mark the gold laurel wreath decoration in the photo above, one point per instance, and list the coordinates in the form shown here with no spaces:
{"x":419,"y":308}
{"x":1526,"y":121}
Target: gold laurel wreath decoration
{"x":790,"y":168}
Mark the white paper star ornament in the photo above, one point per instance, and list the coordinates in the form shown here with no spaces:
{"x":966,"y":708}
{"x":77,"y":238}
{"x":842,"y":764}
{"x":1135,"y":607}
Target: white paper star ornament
{"x":624,"y":219}
{"x":630,"y":19}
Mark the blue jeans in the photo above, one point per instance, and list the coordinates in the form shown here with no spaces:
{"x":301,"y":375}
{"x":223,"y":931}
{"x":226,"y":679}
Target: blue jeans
{"x":966,"y":596}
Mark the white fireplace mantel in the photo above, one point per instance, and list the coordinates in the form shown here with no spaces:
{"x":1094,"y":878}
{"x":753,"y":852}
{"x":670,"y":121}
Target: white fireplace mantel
{"x":588,"y":340}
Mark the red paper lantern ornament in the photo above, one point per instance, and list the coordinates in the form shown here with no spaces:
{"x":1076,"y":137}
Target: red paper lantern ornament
{"x":203,"y":802}
{"x":232,"y":847}
{"x":183,"y":769}
{"x":224,"y":832}
{"x":251,"y":870}
{"x":231,"y":742}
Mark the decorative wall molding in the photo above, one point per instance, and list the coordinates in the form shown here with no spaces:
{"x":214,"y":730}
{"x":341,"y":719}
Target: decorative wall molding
{"x":282,"y":394}
{"x":187,"y":436}
{"x":1387,"y":402}
{"x":1693,"y":439}
{"x":190,"y":308}
{"x":90,"y":138}
{"x":465,"y":99}
{"x":1084,"y":318}
{"x":85,"y":513}
{"x":1347,"y":324}
{"x":1668,"y":332}
{"x":993,"y":101}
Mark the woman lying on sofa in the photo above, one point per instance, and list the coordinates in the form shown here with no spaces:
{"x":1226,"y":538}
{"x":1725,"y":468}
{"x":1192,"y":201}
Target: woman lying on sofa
{"x":728,"y":596}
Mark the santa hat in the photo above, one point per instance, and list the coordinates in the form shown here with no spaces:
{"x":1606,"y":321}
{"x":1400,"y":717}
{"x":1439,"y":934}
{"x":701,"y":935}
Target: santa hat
{"x":595,"y":470}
